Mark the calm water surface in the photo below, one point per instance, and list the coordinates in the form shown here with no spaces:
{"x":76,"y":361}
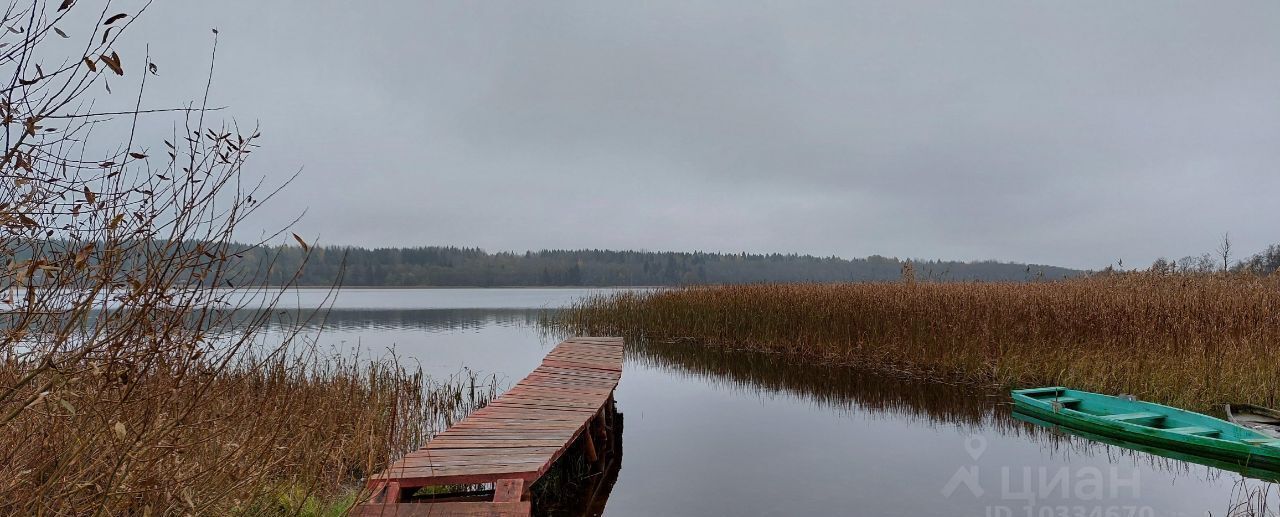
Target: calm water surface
{"x":733,"y":433}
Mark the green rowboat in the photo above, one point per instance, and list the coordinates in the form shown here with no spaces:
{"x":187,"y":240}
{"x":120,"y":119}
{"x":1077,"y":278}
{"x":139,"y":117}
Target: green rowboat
{"x":1150,"y":424}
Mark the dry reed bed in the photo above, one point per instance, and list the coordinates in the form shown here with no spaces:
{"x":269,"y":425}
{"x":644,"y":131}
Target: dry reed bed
{"x":284,"y":434}
{"x":1189,"y":340}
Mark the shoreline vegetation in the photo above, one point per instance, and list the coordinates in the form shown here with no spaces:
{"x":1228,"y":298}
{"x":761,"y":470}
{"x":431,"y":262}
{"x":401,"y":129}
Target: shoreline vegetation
{"x":1185,"y":339}
{"x":131,"y":381}
{"x":286,"y":434}
{"x":447,"y":266}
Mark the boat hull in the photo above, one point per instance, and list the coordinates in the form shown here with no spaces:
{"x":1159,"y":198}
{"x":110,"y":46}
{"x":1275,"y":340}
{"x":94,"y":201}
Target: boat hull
{"x":1272,"y":476}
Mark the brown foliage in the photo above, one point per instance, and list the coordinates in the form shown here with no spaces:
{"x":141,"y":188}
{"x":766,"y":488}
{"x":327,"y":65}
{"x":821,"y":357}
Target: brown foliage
{"x":1191,"y":340}
{"x":131,"y":381}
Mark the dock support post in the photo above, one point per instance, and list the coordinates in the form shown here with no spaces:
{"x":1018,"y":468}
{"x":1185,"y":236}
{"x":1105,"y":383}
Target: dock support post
{"x":590,"y":446}
{"x":388,"y":493}
{"x":508,"y":491}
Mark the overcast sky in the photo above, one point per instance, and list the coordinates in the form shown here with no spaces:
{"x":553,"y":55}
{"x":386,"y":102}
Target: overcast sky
{"x":1064,"y":132}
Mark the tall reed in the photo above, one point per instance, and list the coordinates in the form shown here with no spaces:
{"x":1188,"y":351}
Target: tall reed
{"x":1190,"y":340}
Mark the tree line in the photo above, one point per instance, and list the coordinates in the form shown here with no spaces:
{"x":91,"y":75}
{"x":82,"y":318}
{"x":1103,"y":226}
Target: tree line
{"x":1265,"y":262}
{"x":447,"y":266}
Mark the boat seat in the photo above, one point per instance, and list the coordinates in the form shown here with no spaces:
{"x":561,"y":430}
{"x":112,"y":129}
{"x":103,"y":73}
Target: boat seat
{"x":1066,"y":401}
{"x":1040,"y":391}
{"x":1135,"y":417}
{"x":1195,"y":430}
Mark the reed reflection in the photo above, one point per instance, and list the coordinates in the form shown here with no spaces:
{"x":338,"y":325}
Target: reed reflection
{"x":879,"y":395}
{"x":430,"y":320}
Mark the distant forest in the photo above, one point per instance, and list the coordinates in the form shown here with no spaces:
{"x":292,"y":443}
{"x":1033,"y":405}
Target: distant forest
{"x":473,"y":267}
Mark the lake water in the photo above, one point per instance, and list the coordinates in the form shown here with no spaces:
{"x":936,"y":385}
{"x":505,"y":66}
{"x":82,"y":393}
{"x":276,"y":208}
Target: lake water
{"x":732,"y":433}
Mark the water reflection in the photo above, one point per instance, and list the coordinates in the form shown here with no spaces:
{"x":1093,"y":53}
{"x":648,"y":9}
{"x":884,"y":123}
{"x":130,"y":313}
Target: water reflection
{"x":879,"y":396}
{"x":1244,"y":470}
{"x":714,"y":432}
{"x":428,"y":320}
{"x":838,"y":389}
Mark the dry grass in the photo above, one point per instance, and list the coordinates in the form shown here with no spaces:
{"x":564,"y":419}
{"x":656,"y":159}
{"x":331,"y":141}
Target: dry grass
{"x":285,"y":433}
{"x":1188,"y":340}
{"x":272,"y":435}
{"x":1250,"y":499}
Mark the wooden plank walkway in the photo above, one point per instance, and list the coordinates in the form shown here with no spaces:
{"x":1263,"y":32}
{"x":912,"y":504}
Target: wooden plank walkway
{"x":516,"y":438}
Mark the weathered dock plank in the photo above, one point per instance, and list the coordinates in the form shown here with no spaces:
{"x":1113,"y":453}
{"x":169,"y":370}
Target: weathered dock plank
{"x":515,"y":439}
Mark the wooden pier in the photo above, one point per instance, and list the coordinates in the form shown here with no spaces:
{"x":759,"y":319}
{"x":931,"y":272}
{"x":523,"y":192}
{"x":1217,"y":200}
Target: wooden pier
{"x":514,"y":440}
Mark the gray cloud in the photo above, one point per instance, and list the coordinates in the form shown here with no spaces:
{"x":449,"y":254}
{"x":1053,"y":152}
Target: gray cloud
{"x":1073,"y":133}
